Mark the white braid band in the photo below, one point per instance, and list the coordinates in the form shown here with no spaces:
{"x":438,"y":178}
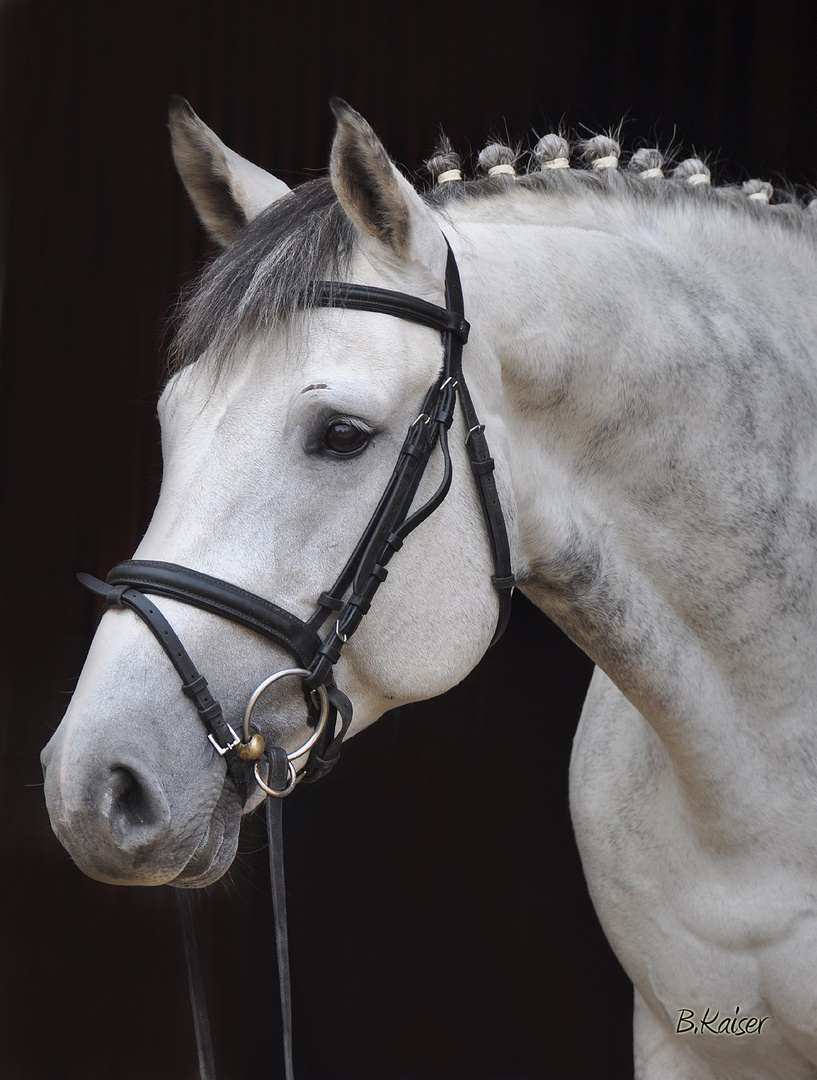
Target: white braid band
{"x":759,"y":196}
{"x":608,"y":162}
{"x":651,"y":174}
{"x":698,"y":178}
{"x":449,"y":175}
{"x":558,"y":163}
{"x":500,"y":170}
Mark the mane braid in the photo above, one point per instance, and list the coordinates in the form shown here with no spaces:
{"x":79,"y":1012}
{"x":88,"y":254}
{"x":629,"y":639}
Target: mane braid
{"x":262,"y":276}
{"x":626,"y":184}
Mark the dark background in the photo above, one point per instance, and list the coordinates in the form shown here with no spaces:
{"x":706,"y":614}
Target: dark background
{"x":440,"y":923}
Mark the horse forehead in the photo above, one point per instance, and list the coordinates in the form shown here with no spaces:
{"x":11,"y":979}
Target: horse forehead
{"x":318,"y":348}
{"x":370,"y":344}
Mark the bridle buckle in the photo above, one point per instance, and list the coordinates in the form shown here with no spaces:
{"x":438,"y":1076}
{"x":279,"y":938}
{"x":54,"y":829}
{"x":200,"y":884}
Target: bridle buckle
{"x":222,"y":750}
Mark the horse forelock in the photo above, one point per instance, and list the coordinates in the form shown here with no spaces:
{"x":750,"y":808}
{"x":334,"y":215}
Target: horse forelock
{"x":261,"y":278}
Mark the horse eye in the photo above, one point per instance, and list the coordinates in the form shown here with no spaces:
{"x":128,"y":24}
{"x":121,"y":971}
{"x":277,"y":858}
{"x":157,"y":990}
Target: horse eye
{"x":343,"y":439}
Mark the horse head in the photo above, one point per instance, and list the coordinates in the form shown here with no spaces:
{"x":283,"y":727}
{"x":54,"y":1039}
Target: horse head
{"x":281,"y":424}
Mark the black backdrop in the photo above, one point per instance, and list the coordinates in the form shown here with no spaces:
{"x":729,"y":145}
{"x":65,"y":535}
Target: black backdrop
{"x":440,"y":923}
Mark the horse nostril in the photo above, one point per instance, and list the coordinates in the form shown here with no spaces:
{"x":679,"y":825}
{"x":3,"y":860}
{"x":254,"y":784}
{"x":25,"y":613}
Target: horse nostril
{"x":136,"y":808}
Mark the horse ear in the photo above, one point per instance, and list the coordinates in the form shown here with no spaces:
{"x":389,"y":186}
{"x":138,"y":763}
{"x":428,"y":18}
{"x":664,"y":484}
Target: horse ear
{"x":376,"y":197}
{"x":226,"y":189}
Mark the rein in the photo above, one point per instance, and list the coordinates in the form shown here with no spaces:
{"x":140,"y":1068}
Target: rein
{"x":329,"y":711}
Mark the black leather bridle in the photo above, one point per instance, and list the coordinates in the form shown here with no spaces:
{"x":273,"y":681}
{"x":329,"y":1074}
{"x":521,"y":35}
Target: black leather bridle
{"x":131,"y":583}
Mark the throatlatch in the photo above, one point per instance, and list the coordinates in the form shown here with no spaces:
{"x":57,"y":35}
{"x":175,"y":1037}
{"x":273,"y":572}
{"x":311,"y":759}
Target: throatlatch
{"x":329,"y":711}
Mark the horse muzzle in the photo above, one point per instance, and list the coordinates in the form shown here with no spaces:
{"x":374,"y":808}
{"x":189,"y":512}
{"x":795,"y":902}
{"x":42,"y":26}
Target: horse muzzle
{"x":113,"y":815}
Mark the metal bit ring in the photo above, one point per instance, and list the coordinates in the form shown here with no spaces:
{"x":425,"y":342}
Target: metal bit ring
{"x":305,"y":747}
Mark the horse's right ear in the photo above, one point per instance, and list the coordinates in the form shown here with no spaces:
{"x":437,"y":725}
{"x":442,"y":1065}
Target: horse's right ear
{"x":226,"y":189}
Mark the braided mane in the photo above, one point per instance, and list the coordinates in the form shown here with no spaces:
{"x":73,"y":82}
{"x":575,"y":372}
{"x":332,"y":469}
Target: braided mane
{"x":553,"y":164}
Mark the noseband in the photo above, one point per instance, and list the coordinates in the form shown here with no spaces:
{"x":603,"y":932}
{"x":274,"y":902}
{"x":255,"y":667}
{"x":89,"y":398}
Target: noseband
{"x":131,"y":583}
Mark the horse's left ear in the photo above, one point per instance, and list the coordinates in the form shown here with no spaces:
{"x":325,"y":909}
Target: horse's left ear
{"x":378,"y":199}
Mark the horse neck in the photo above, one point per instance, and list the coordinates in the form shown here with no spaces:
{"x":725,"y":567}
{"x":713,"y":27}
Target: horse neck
{"x":659,"y":397}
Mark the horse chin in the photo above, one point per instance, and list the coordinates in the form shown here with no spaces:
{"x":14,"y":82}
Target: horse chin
{"x":217,"y":848}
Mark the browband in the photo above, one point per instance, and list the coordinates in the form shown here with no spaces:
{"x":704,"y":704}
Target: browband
{"x":387,"y":302}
